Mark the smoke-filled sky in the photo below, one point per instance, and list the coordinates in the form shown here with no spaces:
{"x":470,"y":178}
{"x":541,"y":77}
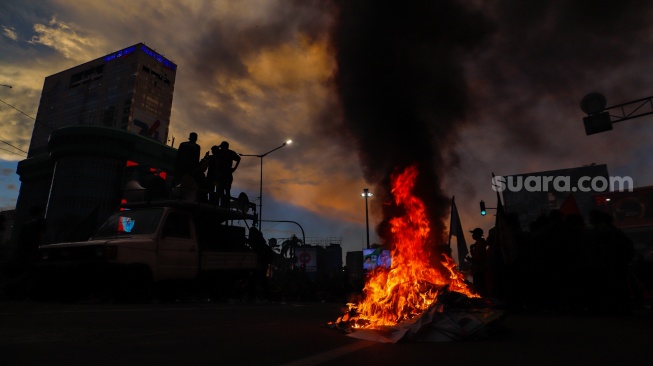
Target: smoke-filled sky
{"x":460,"y":88}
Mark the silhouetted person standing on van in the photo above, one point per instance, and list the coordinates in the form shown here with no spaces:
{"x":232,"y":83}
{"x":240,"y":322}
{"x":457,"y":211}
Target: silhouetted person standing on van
{"x":188,"y":157}
{"x":225,"y":167}
{"x":212,"y":171}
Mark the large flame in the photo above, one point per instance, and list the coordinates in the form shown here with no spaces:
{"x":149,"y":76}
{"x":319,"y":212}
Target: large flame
{"x":412,"y":283}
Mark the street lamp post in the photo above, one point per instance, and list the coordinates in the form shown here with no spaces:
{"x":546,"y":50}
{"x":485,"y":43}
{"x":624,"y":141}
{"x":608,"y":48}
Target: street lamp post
{"x":366,"y":193}
{"x":260,"y":192}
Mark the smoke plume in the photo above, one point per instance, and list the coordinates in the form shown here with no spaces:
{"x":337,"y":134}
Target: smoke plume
{"x":401,"y":83}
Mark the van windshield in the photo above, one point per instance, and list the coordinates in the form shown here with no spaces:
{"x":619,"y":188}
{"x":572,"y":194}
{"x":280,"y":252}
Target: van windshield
{"x":131,"y":222}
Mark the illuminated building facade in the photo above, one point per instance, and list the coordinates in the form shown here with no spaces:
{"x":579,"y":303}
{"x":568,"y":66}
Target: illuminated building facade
{"x":98,"y":125}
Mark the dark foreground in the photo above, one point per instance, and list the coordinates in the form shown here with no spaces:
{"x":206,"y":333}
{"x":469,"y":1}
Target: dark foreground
{"x":200,"y":333}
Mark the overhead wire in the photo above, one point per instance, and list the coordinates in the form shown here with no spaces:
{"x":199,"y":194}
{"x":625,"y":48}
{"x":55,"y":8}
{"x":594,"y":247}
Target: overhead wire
{"x":9,"y":151}
{"x":19,"y":149}
{"x":17,"y":109}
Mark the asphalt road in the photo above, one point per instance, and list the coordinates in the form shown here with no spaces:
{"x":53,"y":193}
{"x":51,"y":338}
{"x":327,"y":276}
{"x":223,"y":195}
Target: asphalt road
{"x":197,"y":333}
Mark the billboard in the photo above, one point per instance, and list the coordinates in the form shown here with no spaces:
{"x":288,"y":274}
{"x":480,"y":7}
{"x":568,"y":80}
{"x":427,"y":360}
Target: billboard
{"x":147,"y":124}
{"x":628,"y":209}
{"x":533,"y":194}
{"x":306,"y":257}
{"x":378,"y":257}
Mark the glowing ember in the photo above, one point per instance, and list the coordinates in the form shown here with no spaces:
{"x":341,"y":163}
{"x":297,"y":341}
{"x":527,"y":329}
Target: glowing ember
{"x":411,"y":285}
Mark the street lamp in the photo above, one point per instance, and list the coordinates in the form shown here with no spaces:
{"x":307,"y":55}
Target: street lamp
{"x":366,"y":193}
{"x":260,"y":194}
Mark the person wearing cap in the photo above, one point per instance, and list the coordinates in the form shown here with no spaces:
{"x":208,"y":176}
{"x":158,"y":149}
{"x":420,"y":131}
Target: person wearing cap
{"x":479,"y":261}
{"x":188,"y":157}
{"x":224,"y":168}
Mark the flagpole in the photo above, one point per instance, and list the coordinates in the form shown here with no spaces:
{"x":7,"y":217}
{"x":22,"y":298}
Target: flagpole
{"x":498,"y":245}
{"x":450,"y":219}
{"x":498,"y":196}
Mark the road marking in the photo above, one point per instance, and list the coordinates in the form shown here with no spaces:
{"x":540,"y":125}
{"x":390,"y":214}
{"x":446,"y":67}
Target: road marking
{"x":331,"y":355}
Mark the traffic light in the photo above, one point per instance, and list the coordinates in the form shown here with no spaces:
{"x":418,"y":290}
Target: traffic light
{"x":483,"y":211}
{"x":597,"y":123}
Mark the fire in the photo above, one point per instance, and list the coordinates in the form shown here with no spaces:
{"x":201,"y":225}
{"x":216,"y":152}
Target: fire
{"x":412,"y":284}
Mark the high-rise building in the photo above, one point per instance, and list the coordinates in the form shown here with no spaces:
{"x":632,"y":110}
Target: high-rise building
{"x":98,"y":124}
{"x":130,"y":89}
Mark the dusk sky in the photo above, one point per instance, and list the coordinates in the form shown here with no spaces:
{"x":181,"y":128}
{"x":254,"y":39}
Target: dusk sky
{"x":461,"y":88}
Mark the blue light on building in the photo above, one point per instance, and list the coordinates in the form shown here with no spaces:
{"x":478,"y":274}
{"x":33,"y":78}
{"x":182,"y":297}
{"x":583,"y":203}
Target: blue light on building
{"x":129,"y":50}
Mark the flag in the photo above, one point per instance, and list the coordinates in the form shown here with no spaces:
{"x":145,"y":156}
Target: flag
{"x":456,"y":229}
{"x":569,"y":206}
{"x":504,"y":240}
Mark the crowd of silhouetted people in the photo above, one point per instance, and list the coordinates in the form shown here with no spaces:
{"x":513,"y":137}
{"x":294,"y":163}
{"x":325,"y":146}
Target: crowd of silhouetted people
{"x":213,"y":173}
{"x":565,"y":263}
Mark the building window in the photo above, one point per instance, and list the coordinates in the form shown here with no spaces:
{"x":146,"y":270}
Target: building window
{"x":86,"y":76}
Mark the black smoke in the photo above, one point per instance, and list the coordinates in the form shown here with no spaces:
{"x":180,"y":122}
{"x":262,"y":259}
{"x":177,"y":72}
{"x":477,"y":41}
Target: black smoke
{"x":558,"y":51}
{"x":401,"y":82}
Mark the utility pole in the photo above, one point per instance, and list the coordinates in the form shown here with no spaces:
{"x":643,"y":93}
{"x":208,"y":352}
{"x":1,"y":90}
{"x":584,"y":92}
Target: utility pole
{"x":366,"y":193}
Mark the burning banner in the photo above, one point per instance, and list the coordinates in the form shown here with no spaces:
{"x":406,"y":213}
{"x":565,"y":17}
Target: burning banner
{"x":418,"y":295}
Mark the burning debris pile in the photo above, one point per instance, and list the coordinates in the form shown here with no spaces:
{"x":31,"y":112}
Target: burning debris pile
{"x":418,"y":297}
{"x":452,"y":317}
